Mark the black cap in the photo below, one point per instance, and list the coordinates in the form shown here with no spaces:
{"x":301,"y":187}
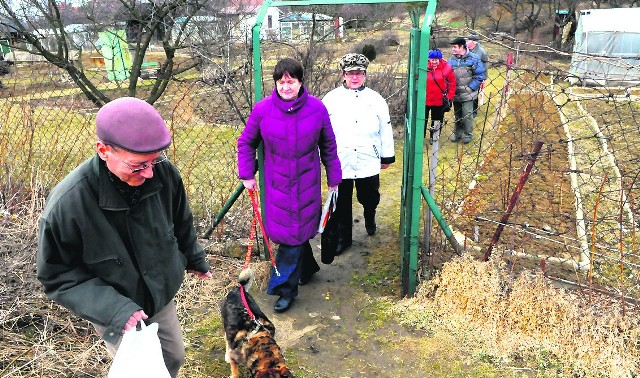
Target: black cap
{"x":458,"y":41}
{"x":472,"y":37}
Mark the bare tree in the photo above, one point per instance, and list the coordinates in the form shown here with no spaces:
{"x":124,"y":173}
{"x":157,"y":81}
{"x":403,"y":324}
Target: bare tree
{"x":525,"y":14}
{"x":473,"y":10}
{"x":146,"y":21}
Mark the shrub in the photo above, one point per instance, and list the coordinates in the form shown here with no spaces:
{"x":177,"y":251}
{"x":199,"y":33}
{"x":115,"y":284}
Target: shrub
{"x":370,"y":52}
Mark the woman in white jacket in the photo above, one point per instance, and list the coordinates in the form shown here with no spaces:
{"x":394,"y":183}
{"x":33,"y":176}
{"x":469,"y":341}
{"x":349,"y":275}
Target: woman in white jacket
{"x":362,"y":126}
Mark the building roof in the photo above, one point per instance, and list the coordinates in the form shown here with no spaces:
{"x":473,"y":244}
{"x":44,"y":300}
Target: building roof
{"x":614,"y":19}
{"x":242,"y":7}
{"x":293,"y":17}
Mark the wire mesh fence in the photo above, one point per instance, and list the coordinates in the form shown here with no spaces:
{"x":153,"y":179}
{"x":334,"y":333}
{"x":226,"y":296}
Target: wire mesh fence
{"x":575,"y":216}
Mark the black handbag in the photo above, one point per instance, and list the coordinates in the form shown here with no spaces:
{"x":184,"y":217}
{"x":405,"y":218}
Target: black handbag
{"x":446,"y":103}
{"x":329,"y":228}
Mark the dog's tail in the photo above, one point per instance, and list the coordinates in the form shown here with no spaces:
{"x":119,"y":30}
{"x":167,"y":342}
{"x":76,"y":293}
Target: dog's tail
{"x":246,"y":278}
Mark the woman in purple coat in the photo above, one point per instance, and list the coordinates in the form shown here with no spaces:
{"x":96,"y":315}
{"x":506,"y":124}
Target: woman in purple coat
{"x":297,"y":134}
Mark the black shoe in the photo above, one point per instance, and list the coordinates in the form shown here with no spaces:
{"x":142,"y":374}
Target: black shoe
{"x":283,"y":304}
{"x":342,"y":246}
{"x":370,"y":224}
{"x":304,"y":280}
{"x":371,"y":230}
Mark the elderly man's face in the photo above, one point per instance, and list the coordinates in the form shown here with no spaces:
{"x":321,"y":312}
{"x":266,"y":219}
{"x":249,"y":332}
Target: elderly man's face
{"x":133,"y":169}
{"x":471,"y":44}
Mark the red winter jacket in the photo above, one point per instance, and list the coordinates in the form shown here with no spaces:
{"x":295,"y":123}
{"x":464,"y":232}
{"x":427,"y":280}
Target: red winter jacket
{"x":445,"y":78}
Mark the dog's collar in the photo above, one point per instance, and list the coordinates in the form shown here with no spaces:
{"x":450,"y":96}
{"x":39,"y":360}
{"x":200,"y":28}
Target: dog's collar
{"x":258,"y":328}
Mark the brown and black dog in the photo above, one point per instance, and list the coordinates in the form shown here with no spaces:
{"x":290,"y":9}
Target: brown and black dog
{"x":250,"y":342}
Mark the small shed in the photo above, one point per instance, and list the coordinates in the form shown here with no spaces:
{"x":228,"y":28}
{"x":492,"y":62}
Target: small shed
{"x":607,"y":46}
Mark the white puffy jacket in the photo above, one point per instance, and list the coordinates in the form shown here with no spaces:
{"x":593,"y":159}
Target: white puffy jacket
{"x":361,"y":123}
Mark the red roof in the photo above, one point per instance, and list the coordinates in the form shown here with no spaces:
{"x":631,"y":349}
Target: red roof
{"x":242,"y":6}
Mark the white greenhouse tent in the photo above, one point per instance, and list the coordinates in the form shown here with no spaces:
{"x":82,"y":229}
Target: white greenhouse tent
{"x":607,"y":47}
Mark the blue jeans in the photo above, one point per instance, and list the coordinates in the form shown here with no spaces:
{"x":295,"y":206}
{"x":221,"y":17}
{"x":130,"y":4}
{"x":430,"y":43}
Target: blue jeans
{"x":293,"y":262}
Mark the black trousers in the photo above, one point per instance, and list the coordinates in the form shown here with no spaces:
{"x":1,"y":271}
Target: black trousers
{"x":437,"y":114}
{"x":367,"y":193}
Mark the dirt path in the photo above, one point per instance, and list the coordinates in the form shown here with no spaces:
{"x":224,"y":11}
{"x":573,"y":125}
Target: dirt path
{"x":331,"y":329}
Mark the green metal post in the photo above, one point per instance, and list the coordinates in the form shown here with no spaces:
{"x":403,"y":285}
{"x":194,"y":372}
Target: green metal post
{"x":225,"y":208}
{"x":414,"y":142}
{"x":258,"y":94}
{"x":443,"y":223}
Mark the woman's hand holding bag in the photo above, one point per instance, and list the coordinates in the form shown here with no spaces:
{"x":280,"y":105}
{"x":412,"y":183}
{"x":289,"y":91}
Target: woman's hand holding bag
{"x":446,"y":103}
{"x":329,"y":229}
{"x":139,"y":355}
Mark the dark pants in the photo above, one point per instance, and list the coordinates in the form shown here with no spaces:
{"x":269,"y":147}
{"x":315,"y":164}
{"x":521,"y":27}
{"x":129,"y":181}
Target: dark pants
{"x":437,"y":114}
{"x":293,"y":262}
{"x":464,"y":120}
{"x":367,"y":193}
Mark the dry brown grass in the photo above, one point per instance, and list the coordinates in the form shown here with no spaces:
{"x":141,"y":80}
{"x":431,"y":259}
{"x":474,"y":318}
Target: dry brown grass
{"x":525,"y":320}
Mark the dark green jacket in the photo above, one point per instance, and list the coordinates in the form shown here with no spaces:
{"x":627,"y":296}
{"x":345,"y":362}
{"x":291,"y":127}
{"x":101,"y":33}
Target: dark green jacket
{"x":83,"y":261}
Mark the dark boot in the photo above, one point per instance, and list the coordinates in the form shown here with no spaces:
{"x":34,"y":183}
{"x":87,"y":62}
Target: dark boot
{"x":344,"y":238}
{"x":370,"y":222}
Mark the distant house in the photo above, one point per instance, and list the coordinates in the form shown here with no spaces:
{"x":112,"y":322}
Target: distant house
{"x":299,"y":25}
{"x":241,"y":16}
{"x":199,"y":29}
{"x":9,"y":36}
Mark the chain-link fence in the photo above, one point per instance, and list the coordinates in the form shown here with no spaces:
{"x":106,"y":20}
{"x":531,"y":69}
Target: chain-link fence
{"x":574,"y":216}
{"x":49,"y":127}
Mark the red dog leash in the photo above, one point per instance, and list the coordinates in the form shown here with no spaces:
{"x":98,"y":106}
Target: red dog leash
{"x":243,"y":297}
{"x":257,"y":219}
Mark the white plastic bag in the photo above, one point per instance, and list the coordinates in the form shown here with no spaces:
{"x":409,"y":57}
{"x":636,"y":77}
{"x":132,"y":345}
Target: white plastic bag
{"x":139,"y":355}
{"x":328,"y":209}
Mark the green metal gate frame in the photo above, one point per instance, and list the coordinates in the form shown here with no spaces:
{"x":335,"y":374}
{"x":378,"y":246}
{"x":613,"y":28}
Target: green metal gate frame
{"x":412,"y":187}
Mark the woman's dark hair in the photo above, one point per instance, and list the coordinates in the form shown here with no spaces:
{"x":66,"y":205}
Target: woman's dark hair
{"x":290,"y":66}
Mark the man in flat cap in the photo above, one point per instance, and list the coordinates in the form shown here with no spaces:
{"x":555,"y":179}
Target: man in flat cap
{"x":469,"y":72}
{"x":474,"y":46}
{"x":116,"y":235}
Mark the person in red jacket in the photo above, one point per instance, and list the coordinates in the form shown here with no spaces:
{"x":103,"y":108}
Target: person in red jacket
{"x":441,"y":82}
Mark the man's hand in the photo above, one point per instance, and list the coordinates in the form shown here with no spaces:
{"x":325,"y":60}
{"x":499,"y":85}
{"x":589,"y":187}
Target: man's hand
{"x":134,"y":319}
{"x":200,"y":275}
{"x":249,"y":184}
{"x":384,"y":166}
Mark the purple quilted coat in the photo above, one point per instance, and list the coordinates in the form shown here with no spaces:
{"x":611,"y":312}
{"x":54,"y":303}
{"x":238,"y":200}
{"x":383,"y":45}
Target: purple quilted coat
{"x":297,"y":135}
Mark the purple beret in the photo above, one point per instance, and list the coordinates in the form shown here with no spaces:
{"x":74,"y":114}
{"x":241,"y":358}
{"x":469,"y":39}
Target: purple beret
{"x":435,"y":54}
{"x":132,"y":124}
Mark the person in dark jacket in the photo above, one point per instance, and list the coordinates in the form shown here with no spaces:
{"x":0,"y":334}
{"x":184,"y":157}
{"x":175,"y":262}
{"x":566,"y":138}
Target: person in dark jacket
{"x":441,"y":83}
{"x":469,"y":72}
{"x":117,"y":234}
{"x":296,"y":132}
{"x":474,"y":46}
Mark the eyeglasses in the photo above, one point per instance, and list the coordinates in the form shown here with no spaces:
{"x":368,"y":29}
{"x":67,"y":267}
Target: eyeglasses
{"x":354,"y":73}
{"x":143,"y":166}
